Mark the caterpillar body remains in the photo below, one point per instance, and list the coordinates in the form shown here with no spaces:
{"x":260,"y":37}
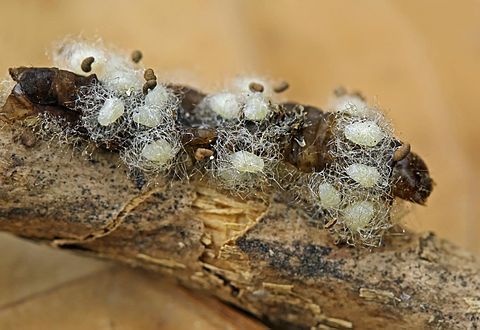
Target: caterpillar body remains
{"x":345,"y":166}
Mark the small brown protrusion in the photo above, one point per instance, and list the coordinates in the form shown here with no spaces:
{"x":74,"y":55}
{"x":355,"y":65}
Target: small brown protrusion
{"x":281,"y":87}
{"x":149,"y":85}
{"x":401,"y":152}
{"x":87,"y":64}
{"x":149,"y":75}
{"x":137,"y":56}
{"x":202,"y":153}
{"x":256,"y":87}
{"x":28,"y":139}
{"x":151,"y":80}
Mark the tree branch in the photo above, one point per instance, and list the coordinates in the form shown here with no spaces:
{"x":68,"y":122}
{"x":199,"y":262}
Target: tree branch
{"x":269,"y":260}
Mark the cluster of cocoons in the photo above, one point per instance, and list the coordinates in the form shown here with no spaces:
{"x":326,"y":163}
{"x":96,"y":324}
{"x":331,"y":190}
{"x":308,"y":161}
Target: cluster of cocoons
{"x":246,"y":98}
{"x":354,"y":190}
{"x":141,"y":120}
{"x":117,"y":111}
{"x":245,"y":158}
{"x":230,"y":106}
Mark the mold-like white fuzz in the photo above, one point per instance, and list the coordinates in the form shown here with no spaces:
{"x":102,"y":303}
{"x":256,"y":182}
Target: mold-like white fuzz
{"x":71,"y":55}
{"x":329,"y":196}
{"x":247,"y":162}
{"x":112,"y":109}
{"x":356,"y":216}
{"x":366,"y":176}
{"x":158,"y":151}
{"x":148,"y":115}
{"x":351,"y":104}
{"x":116,"y":71}
{"x":256,"y":107}
{"x":364,"y":133}
{"x":224,"y":104}
{"x":159,"y":96}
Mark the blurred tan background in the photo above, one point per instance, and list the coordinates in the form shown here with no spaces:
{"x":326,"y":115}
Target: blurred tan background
{"x":419,"y":60}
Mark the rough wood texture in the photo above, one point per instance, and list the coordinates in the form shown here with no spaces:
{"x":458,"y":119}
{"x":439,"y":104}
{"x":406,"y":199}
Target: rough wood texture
{"x":45,"y":288}
{"x":268,"y":260}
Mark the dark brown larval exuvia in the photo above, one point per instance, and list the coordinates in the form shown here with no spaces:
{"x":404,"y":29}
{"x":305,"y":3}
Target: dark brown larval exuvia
{"x":54,"y":91}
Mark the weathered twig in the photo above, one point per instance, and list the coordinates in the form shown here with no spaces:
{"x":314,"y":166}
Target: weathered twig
{"x":269,"y":260}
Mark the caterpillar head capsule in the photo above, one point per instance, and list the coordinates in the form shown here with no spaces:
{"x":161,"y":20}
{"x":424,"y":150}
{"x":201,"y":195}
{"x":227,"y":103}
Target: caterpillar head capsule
{"x":411,"y":179}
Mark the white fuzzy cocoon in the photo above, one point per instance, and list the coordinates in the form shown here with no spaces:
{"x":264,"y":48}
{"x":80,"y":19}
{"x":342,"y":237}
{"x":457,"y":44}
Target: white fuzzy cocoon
{"x":159,"y":96}
{"x":148,"y":115}
{"x":112,"y":109}
{"x":224,"y":104}
{"x":256,"y":107}
{"x":329,"y":196}
{"x":351,"y":104}
{"x":72,"y":54}
{"x":122,"y":78}
{"x":366,"y":133}
{"x":247,"y":162}
{"x":356,"y":216}
{"x":158,"y":151}
{"x":366,"y":176}
{"x":116,"y":71}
